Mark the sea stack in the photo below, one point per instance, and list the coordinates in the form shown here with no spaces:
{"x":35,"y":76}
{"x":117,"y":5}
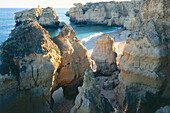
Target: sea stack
{"x":104,"y":55}
{"x":47,"y":17}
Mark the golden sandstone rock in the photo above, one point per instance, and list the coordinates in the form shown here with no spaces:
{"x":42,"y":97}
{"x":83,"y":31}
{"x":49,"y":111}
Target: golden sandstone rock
{"x":45,"y":16}
{"x":27,"y":68}
{"x":144,"y":76}
{"x":104,"y":55}
{"x":88,"y":100}
{"x":74,"y":58}
{"x":31,"y":63}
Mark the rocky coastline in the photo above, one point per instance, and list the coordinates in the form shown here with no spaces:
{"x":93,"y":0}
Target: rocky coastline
{"x":132,"y":74}
{"x":46,"y":17}
{"x":105,"y":13}
{"x":33,"y":66}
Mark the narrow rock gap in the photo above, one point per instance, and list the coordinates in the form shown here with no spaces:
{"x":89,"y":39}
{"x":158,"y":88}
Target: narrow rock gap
{"x":61,"y":104}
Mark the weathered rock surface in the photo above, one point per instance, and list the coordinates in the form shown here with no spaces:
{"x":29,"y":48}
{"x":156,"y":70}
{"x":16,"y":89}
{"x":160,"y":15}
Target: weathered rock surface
{"x":88,"y":99}
{"x":165,"y":109}
{"x":48,"y":17}
{"x":104,"y":55}
{"x":45,"y":16}
{"x":144,"y":77}
{"x":105,"y":13}
{"x":32,"y":67}
{"x":74,"y":60}
{"x":28,"y":60}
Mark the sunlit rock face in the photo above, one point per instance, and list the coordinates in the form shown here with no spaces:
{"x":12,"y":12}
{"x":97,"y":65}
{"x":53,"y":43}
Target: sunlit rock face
{"x":45,"y":16}
{"x":144,"y":77}
{"x":32,"y":67}
{"x":104,"y":55}
{"x":74,"y":61}
{"x":88,"y":99}
{"x":48,"y":17}
{"x":28,"y":60}
{"x":106,"y":13}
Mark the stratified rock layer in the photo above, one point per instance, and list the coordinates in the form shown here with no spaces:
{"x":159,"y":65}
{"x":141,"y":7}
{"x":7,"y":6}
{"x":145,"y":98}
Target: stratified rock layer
{"x":144,"y":77}
{"x":88,"y":99}
{"x":28,"y":60}
{"x":105,"y":13}
{"x":104,"y":55}
{"x":45,"y":16}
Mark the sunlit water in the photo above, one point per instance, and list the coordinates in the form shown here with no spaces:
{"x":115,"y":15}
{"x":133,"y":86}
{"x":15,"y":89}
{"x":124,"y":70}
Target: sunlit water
{"x":7,"y":23}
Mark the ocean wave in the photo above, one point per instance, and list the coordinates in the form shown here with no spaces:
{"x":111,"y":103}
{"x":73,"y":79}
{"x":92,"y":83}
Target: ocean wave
{"x":86,"y":39}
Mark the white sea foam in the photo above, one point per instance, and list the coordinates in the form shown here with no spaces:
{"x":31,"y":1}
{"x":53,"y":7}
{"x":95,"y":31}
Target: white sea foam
{"x":89,"y":38}
{"x":86,"y":39}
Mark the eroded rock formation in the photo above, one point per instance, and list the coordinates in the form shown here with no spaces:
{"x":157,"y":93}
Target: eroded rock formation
{"x":48,"y":17}
{"x":74,"y":60}
{"x":105,"y":13}
{"x":32,"y":66}
{"x":104,"y":55}
{"x":28,"y":60}
{"x":45,"y":16}
{"x":88,"y":99}
{"x":144,"y":76}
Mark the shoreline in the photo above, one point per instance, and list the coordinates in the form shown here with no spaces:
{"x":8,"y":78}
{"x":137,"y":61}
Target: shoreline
{"x":120,"y":37}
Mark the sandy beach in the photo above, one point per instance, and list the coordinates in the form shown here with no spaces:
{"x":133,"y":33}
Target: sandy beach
{"x":120,"y":36}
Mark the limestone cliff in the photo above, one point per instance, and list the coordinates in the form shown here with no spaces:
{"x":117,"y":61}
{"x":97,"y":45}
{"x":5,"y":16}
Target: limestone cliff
{"x":105,"y":13}
{"x":144,"y":77}
{"x":104,"y":55}
{"x":88,"y":99}
{"x":45,"y":16}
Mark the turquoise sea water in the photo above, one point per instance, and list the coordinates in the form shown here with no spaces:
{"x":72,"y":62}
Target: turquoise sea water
{"x":7,"y":23}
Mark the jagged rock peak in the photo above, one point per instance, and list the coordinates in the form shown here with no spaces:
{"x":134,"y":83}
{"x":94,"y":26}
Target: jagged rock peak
{"x":88,"y":99}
